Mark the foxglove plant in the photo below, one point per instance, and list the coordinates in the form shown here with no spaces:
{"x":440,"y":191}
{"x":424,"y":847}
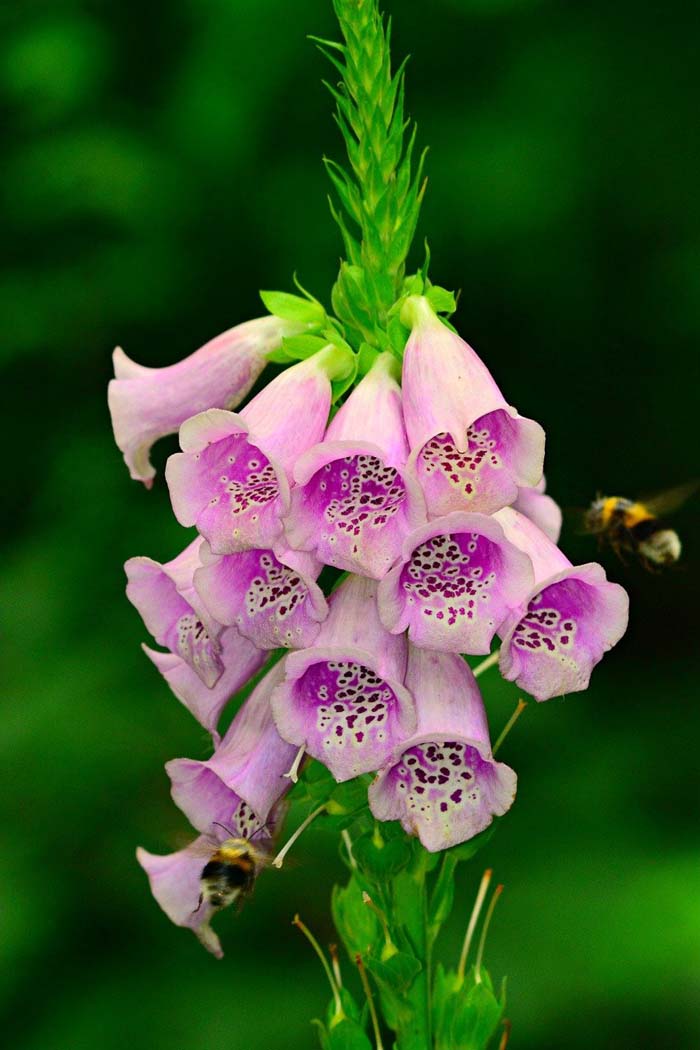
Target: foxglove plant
{"x":371,"y":517}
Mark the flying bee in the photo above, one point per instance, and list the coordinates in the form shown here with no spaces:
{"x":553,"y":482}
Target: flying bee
{"x":637,"y":527}
{"x":230,"y":873}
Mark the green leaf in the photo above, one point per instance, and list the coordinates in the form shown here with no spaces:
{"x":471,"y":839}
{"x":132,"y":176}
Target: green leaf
{"x":293,"y":308}
{"x":476,"y":1018}
{"x":397,"y":973}
{"x":381,"y":862}
{"x":357,"y":924}
{"x":347,"y":1035}
{"x":299,"y":347}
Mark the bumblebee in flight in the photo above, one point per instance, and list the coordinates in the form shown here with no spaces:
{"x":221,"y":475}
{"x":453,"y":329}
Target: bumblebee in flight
{"x":230,"y":872}
{"x":637,"y":527}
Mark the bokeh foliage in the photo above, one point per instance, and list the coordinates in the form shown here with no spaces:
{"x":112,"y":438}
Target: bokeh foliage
{"x":161,"y":162}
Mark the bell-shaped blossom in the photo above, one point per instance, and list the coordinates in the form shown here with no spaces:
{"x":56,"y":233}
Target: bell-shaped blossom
{"x":175,"y":881}
{"x":239,"y":786}
{"x":470,"y":448}
{"x":353,"y":502}
{"x":458,"y":579}
{"x":343,"y":699}
{"x":241,"y":660}
{"x":165,"y":597}
{"x":148,"y":403}
{"x":271,"y":597}
{"x":232,"y":477}
{"x":572,"y":616}
{"x":541,"y":509}
{"x":443,"y":782}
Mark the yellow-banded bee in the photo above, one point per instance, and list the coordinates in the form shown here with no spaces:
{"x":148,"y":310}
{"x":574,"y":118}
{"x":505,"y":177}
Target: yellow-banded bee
{"x":230,"y":873}
{"x":637,"y":527}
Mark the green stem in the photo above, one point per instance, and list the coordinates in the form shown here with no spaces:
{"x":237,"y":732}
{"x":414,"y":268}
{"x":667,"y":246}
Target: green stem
{"x":411,"y":911}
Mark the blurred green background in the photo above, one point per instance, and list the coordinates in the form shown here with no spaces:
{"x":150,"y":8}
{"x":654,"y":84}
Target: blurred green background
{"x":161,"y":164}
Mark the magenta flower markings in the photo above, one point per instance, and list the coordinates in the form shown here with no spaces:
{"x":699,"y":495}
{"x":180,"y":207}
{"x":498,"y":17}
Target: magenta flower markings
{"x":471,"y":449}
{"x":425,"y":488}
{"x":354,"y":501}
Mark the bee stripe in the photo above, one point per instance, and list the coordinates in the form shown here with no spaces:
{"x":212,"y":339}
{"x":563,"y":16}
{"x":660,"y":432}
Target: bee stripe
{"x":636,"y":514}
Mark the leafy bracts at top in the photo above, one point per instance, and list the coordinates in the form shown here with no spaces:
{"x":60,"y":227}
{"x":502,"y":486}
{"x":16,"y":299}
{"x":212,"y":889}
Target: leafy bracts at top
{"x":379,"y":195}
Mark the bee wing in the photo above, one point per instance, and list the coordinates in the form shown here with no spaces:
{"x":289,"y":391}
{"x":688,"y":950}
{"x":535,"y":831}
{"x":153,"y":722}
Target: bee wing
{"x":670,"y":499}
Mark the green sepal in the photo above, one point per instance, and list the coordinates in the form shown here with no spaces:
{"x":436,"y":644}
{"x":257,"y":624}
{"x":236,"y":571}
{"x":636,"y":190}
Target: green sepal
{"x":347,"y":1035}
{"x":344,"y":802}
{"x":442,"y":301}
{"x":366,"y":357}
{"x":299,"y":347}
{"x":341,"y":386}
{"x":397,"y":336}
{"x":394,"y":977}
{"x":466,"y":1012}
{"x":357,"y":924}
{"x":395,"y":974}
{"x":476,"y":1017}
{"x":293,"y":308}
{"x":322,"y":1032}
{"x":347,"y":800}
{"x":381,"y":862}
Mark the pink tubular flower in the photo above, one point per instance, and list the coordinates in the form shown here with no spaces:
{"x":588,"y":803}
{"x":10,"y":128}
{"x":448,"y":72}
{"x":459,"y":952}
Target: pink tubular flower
{"x":471,"y":450}
{"x":175,"y":884}
{"x":231,"y":479}
{"x":165,"y":597}
{"x":244,"y":779}
{"x":443,"y":783}
{"x":271,"y":597}
{"x":458,"y":579}
{"x":551,"y":644}
{"x":540,"y":509}
{"x":239,"y":787}
{"x":241,"y":660}
{"x":343,"y":699}
{"x":353,"y":503}
{"x":148,"y":403}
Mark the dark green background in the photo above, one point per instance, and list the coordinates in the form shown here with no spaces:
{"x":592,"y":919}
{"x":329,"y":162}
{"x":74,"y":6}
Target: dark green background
{"x":161,"y":162}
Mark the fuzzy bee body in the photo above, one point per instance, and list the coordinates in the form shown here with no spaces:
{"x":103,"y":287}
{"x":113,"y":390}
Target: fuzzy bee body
{"x":635,"y":526}
{"x":229,"y":874}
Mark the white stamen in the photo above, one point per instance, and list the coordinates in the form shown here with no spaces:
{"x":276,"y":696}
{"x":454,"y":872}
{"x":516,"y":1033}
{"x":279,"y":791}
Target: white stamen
{"x":279,"y":859}
{"x":485,"y":664}
{"x":293,"y":772}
